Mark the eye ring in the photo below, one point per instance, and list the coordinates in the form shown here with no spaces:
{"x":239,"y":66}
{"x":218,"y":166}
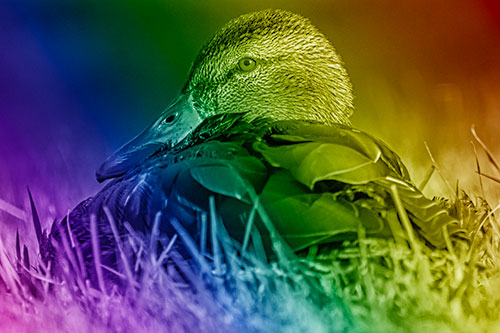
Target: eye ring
{"x":247,"y":64}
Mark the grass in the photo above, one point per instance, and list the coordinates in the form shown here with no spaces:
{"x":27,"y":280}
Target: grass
{"x":367,"y":285}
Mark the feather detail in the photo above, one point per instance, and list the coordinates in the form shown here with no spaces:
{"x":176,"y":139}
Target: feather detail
{"x":316,"y":183}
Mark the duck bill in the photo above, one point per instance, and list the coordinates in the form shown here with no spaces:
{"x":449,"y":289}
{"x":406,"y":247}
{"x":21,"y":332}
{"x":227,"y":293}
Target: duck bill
{"x":173,"y":125}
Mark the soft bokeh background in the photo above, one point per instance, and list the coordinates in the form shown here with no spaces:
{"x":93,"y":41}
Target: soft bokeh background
{"x":79,"y":78}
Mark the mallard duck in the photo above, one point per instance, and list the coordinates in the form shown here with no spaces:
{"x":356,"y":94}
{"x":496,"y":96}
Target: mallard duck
{"x":262,"y":124}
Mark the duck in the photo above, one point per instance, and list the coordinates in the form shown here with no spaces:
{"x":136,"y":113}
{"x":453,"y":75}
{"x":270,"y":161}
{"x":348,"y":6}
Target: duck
{"x":259,"y":139}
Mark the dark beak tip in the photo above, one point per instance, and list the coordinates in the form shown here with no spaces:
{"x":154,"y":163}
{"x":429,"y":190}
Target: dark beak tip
{"x":151,"y":140}
{"x":112,"y":169}
{"x":101,"y":174}
{"x":100,"y":177}
{"x":123,"y":160}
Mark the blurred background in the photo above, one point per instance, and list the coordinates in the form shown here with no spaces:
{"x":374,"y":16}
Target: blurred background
{"x":79,"y":78}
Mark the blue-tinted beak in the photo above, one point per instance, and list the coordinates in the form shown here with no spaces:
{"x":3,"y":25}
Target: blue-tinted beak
{"x":173,"y":125}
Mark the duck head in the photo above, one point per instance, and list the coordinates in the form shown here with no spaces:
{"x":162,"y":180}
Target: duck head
{"x":270,"y":64}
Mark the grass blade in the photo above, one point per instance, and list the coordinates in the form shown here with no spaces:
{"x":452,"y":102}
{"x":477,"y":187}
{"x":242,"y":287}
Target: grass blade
{"x":491,"y":158}
{"x":36,"y":221}
{"x":12,"y":210}
{"x":94,"y":236}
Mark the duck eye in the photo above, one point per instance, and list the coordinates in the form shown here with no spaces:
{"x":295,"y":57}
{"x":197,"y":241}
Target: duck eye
{"x":247,"y":64}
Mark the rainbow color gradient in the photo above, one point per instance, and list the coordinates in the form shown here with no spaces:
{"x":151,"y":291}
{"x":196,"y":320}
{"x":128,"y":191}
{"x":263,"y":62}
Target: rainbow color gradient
{"x":80,"y":78}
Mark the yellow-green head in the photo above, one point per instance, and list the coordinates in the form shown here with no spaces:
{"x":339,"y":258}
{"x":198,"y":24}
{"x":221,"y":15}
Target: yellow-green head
{"x":270,"y":64}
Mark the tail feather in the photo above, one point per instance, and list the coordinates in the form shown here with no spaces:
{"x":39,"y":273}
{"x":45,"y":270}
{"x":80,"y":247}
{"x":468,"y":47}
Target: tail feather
{"x":431,"y":219}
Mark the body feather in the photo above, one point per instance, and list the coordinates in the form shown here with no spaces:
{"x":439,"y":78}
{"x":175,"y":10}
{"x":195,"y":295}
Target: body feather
{"x":317,"y":183}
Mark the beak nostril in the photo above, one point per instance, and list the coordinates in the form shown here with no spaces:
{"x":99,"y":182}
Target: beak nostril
{"x":169,"y":119}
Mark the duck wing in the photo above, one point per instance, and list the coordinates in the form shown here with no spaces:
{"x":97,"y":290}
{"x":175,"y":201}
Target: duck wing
{"x":315,"y":183}
{"x":341,"y":163}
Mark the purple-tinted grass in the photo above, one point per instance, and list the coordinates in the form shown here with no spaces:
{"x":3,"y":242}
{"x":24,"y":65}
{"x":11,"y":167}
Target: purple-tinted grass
{"x":367,"y":285}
